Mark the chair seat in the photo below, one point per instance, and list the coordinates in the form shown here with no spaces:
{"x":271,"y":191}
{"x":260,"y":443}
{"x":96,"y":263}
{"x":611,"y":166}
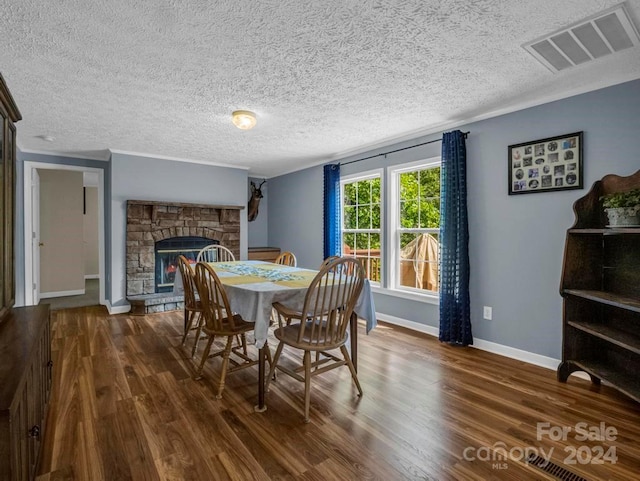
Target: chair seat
{"x":286,"y":313}
{"x":238,"y":326}
{"x":289,"y":335}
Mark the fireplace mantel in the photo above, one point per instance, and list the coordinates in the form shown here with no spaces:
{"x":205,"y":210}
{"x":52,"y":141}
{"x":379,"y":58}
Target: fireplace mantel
{"x":183,"y":204}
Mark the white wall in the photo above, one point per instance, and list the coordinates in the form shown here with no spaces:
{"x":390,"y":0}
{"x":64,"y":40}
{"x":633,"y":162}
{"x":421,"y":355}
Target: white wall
{"x":90,"y":232}
{"x":61,"y":232}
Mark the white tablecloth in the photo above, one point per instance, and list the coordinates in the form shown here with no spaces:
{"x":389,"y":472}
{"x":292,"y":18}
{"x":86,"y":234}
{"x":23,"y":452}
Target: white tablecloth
{"x":253,"y":301}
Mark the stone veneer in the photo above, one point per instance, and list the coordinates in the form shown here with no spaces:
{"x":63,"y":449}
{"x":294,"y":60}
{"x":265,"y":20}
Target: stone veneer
{"x":149,"y":222}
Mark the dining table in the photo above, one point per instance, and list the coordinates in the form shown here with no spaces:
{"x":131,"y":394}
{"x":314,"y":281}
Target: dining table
{"x":253,"y":286}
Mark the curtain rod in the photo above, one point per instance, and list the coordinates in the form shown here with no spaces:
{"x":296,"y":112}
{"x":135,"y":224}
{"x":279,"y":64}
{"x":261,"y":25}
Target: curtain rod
{"x":397,"y":150}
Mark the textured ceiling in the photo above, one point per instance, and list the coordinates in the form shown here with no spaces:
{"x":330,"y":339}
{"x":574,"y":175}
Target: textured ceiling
{"x":326,"y":79}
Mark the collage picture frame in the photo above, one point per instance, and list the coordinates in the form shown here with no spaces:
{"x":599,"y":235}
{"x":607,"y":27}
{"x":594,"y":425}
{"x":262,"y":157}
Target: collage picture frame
{"x":546,"y":165}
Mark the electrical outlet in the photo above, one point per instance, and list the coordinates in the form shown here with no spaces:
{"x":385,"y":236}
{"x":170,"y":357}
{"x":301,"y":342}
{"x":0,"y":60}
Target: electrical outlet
{"x":487,"y":312}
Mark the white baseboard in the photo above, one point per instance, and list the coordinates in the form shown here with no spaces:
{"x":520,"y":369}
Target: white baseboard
{"x":92,"y":276}
{"x":117,"y":309}
{"x":414,"y":326}
{"x":502,"y":350}
{"x":48,"y":295}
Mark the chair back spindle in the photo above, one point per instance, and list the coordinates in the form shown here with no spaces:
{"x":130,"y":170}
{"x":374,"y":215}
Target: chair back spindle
{"x":287,"y":258}
{"x":215,"y":253}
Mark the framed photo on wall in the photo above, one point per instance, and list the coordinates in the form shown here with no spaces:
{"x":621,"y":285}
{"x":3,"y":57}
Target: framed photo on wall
{"x":546,"y":165}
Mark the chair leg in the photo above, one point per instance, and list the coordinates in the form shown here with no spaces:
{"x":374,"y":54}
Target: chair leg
{"x":354,"y":375}
{"x":225,"y":365}
{"x":205,"y":355}
{"x":307,"y":384}
{"x":272,"y":365}
{"x":188,"y":324}
{"x":243,"y":343}
{"x":198,"y":334}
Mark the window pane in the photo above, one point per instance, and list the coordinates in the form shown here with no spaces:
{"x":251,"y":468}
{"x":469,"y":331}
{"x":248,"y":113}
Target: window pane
{"x":419,"y":262}
{"x":409,"y":214}
{"x":364,"y":192}
{"x":368,"y":252}
{"x":349,"y":241}
{"x":372,"y":267}
{"x":430,"y":213}
{"x":430,"y":183}
{"x":406,"y":238}
{"x":364,"y":216}
{"x":375,"y":191}
{"x":349,"y":217}
{"x":409,"y":185}
{"x":349,"y":194}
{"x":375,"y":216}
{"x":362,"y":243}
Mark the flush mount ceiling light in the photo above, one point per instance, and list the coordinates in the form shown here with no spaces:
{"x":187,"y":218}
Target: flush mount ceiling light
{"x":46,"y":138}
{"x":243,"y":119}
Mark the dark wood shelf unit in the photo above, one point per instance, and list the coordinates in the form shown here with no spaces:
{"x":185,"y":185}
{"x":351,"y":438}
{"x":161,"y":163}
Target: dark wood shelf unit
{"x":606,"y":231}
{"x":627,"y":384}
{"x":268,"y":254}
{"x":610,"y":334}
{"x":601,"y":293}
{"x":25,"y":384}
{"x":25,"y":332}
{"x":608,"y":298}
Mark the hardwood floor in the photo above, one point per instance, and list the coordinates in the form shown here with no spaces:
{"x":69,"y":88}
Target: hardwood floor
{"x":124,"y":406}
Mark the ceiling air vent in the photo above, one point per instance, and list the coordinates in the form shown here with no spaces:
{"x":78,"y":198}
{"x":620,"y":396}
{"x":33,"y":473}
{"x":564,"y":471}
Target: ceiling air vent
{"x":606,"y":33}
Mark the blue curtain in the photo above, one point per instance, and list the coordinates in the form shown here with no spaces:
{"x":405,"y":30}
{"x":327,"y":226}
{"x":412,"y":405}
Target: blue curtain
{"x":455,"y":316}
{"x":332,"y":246}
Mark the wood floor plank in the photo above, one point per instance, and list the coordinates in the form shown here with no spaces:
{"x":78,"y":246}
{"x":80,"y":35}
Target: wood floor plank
{"x":125,"y":406}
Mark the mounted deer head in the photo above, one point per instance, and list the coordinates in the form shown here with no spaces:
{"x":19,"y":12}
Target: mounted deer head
{"x":254,"y":201}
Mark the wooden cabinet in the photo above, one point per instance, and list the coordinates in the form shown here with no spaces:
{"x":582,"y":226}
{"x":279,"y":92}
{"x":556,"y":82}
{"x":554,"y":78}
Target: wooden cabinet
{"x":268,"y":254}
{"x":25,"y":384}
{"x":9,"y":114}
{"x":601,"y":291}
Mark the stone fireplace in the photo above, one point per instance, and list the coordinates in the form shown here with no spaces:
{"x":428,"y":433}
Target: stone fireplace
{"x":149,"y":222}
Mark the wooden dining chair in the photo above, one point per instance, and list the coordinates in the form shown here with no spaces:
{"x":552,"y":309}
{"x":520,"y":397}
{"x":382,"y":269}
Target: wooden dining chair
{"x":328,"y":261}
{"x":286,"y":258}
{"x":192,"y":304}
{"x":215,"y":253}
{"x":220,"y":321}
{"x":325,"y":316}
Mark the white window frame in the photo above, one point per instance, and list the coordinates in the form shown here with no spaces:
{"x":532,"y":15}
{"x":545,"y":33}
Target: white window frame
{"x":348,"y":179}
{"x":393,"y":231}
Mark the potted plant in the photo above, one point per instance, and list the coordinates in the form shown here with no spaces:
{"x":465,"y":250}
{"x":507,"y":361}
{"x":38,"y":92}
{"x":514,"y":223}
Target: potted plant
{"x":622,"y":208}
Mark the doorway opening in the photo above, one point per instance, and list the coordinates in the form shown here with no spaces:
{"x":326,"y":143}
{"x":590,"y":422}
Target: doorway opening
{"x":49,"y":262}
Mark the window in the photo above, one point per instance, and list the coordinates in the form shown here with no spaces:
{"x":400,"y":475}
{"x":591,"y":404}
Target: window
{"x":414,"y":226}
{"x":402,"y":258}
{"x":362,"y":221}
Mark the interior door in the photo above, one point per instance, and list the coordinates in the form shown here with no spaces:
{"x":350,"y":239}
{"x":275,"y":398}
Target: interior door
{"x":35,"y":237}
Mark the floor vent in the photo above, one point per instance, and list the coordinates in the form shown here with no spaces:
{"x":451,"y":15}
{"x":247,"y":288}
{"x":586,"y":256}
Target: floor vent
{"x":608,"y":32}
{"x":553,"y":469}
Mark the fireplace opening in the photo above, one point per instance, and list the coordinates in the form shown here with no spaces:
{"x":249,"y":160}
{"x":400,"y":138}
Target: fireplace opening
{"x":166,"y":257}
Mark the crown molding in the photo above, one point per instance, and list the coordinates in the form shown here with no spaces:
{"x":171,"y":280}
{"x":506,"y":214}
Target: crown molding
{"x":179,"y":159}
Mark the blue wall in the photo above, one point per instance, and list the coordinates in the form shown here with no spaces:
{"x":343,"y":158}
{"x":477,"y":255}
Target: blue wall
{"x":147,"y":178}
{"x":140,"y":178}
{"x":258,"y":233}
{"x":516,"y":242}
{"x":19,"y":237}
